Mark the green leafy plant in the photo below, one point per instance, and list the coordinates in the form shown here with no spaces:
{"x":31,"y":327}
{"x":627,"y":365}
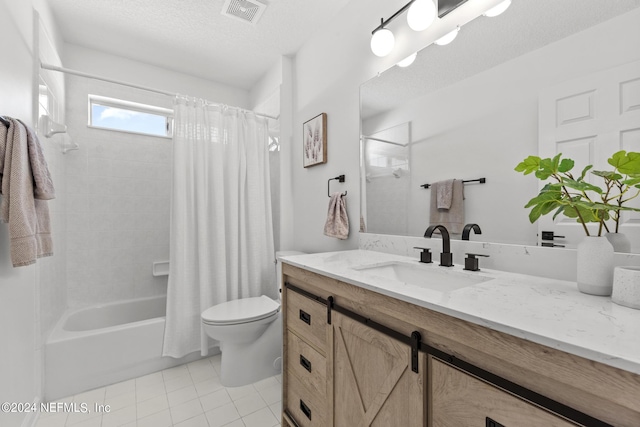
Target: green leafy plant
{"x":576,"y":198}
{"x":623,"y":181}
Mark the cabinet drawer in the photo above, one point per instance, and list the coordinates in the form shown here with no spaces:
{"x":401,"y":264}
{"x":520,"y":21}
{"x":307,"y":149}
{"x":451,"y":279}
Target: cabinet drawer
{"x":303,"y":406}
{"x":309,"y":366}
{"x":308,"y":319}
{"x":461,"y":400}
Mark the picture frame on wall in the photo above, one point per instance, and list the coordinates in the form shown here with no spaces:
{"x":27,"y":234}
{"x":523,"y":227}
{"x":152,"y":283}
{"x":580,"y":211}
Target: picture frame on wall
{"x":314,"y":140}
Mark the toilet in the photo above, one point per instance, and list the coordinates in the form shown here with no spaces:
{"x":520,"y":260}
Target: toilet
{"x":249,"y":331}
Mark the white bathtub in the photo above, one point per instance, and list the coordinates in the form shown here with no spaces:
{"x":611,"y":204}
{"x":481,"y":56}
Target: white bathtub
{"x":105,"y":344}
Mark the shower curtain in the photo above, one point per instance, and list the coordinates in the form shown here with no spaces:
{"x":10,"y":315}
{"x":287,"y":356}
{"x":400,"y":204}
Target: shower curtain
{"x":221,"y":244}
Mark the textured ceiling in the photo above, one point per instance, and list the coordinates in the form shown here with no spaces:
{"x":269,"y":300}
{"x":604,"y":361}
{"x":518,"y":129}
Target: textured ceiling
{"x":485,"y":43}
{"x":192,"y":36}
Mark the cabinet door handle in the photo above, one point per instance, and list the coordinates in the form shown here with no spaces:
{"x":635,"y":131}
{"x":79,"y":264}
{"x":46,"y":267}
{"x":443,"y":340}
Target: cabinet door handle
{"x":305,"y":363}
{"x":492,"y":423}
{"x":305,"y":409}
{"x":305,"y":317}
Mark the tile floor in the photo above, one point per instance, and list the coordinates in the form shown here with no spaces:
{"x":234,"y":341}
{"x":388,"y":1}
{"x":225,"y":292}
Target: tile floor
{"x":185,"y":396}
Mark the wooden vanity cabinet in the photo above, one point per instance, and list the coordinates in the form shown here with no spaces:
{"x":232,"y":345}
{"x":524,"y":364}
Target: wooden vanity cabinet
{"x":338,"y":371}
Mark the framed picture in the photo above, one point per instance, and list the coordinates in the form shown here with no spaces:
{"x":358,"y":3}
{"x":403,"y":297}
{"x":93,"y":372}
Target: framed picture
{"x":314,"y":140}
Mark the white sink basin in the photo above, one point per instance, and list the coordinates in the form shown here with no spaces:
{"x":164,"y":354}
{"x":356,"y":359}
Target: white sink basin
{"x":430,"y":276}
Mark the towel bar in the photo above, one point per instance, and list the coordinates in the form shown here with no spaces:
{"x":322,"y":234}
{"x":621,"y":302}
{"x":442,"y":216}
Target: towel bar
{"x":479,"y":180}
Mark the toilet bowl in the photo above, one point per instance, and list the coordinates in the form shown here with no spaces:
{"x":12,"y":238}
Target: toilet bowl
{"x":249,"y":331}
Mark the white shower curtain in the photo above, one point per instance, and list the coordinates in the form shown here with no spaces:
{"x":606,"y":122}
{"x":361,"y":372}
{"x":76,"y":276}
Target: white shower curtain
{"x":221,"y":229}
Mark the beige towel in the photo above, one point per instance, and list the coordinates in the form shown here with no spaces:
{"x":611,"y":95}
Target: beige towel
{"x":28,"y":218}
{"x":337,"y":224}
{"x":452,"y":218}
{"x":444,"y":193}
{"x":43,"y":189}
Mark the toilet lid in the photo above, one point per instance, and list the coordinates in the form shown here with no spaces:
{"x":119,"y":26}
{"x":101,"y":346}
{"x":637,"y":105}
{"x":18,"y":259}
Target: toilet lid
{"x":242,"y":310}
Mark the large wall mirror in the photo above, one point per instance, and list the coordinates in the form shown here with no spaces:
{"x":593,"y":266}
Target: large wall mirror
{"x":469,"y":110}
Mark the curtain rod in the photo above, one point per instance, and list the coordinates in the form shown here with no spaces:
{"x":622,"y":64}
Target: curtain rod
{"x":119,"y":82}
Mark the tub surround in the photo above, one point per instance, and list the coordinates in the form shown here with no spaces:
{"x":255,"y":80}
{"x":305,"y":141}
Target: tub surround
{"x":546,"y":311}
{"x":501,"y":347}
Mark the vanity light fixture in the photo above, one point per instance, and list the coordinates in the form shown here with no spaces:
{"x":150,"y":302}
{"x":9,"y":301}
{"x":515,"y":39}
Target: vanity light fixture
{"x":498,"y":9}
{"x":408,"y":60}
{"x":447,"y":38}
{"x":421,"y":15}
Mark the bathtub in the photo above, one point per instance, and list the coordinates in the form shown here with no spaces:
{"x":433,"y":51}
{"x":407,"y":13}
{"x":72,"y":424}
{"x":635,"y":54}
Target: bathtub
{"x":105,"y":344}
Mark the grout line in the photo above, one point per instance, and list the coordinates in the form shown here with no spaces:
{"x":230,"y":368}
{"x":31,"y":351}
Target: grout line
{"x":102,"y":391}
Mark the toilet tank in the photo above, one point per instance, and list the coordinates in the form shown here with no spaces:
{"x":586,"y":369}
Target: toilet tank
{"x":280,"y":254}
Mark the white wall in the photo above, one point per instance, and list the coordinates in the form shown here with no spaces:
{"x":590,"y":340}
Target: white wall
{"x":126,"y":70}
{"x":331,"y":67}
{"x":273,"y":95}
{"x":20,"y":359}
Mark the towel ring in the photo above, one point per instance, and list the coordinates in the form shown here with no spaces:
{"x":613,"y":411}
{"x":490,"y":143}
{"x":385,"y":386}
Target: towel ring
{"x":340,"y":178}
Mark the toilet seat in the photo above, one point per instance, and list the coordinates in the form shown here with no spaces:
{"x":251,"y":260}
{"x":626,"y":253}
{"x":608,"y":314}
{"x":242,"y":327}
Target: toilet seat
{"x":243,"y":310}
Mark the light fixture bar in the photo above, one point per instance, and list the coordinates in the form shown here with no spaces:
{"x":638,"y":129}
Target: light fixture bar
{"x":392,"y":17}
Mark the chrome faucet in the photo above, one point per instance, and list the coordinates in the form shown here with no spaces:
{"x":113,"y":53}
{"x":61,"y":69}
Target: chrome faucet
{"x":467,"y":230}
{"x":446,"y":257}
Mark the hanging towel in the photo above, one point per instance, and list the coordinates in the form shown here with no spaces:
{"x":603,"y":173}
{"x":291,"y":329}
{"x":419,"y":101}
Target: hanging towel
{"x":337,"y":224}
{"x":444,"y":193}
{"x":452,"y":218}
{"x":28,"y":218}
{"x":43,"y":185}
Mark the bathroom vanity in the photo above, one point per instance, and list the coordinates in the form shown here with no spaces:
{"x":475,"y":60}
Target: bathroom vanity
{"x":383,"y":340}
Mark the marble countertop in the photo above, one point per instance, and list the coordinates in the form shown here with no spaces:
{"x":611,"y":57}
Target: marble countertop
{"x":546,"y":311}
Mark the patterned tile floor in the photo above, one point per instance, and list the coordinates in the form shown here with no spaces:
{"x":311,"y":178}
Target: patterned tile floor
{"x":185,"y":396}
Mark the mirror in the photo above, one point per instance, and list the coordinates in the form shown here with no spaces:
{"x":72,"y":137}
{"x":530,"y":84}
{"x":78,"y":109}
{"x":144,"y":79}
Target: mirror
{"x":469,"y":110}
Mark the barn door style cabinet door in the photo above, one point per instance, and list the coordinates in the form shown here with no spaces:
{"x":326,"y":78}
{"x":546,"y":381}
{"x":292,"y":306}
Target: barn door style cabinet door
{"x":458,"y":399}
{"x":374,"y":384}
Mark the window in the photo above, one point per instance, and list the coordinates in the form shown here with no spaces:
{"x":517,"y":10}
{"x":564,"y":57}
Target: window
{"x":126,"y":116}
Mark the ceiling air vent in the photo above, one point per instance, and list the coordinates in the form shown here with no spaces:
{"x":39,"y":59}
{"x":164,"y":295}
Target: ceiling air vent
{"x":244,"y":10}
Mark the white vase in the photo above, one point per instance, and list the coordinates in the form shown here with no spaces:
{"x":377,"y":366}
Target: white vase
{"x":595,"y":266}
{"x":619,"y":241}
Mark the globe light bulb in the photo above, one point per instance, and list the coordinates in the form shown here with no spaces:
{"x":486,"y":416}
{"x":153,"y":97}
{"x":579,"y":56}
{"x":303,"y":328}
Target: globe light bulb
{"x":408,"y":60}
{"x":421,"y":14}
{"x":447,"y":38}
{"x":498,"y":9}
{"x":382,"y":42}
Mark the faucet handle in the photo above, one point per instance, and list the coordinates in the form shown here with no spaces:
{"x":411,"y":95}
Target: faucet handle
{"x":446,"y":259}
{"x":471,"y":262}
{"x":425,"y":255}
